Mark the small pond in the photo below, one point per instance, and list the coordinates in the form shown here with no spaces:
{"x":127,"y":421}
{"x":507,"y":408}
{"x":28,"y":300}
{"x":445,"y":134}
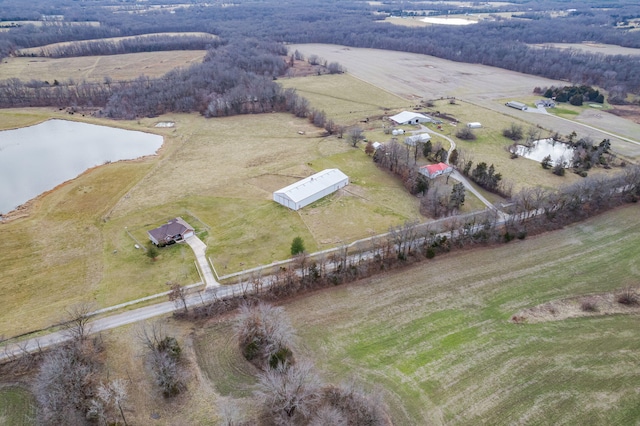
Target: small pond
{"x":38,"y":158}
{"x":543,"y":147}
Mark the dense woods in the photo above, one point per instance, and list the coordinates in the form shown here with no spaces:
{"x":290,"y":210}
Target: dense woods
{"x":237,"y":78}
{"x":502,"y":42}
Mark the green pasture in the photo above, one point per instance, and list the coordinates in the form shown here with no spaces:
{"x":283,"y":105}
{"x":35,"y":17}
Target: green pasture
{"x":17,"y":406}
{"x":346,"y":99}
{"x":437,"y":337}
{"x":78,"y":242}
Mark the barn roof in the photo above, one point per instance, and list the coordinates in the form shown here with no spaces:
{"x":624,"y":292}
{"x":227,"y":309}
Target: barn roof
{"x":435,"y":168}
{"x":308,"y":186}
{"x":406,"y":116}
{"x":421,"y":137}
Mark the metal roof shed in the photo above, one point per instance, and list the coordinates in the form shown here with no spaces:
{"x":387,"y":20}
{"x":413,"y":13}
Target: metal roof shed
{"x":408,"y":117}
{"x":310,"y":189}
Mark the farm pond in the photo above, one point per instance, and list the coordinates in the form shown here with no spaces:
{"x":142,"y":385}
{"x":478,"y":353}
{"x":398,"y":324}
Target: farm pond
{"x":38,"y":158}
{"x":547,"y":147}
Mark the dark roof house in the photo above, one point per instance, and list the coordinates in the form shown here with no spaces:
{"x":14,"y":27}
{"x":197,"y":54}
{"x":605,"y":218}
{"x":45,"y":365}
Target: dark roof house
{"x":171,"y":232}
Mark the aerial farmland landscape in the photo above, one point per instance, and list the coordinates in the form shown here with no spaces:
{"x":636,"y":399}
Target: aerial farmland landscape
{"x":319,"y":213}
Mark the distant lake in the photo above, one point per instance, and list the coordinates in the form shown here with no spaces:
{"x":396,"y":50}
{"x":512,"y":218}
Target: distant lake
{"x":448,"y":21}
{"x":543,"y":147}
{"x":38,"y":158}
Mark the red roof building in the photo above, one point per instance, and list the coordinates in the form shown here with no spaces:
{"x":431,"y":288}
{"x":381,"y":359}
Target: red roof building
{"x":434,"y":170}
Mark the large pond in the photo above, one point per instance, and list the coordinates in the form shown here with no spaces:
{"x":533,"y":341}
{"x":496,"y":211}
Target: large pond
{"x":38,"y":158}
{"x":541,"y":148}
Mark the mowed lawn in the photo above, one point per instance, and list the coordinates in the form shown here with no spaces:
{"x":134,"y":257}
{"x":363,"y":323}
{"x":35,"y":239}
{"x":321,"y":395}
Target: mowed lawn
{"x":17,"y":406}
{"x":437,"y":336}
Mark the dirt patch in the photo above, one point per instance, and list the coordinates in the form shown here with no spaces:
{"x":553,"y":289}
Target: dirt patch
{"x":582,"y":306}
{"x":630,"y":112}
{"x":304,"y":69}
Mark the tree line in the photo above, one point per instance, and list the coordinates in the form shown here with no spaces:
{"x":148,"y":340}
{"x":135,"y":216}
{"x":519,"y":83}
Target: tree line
{"x":502,"y":43}
{"x":233,"y":79}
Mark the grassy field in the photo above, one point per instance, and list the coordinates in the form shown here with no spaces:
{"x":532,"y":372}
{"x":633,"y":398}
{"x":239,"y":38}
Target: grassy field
{"x":218,"y":174}
{"x":438,"y":339}
{"x":415,"y":77}
{"x":46,"y":50}
{"x":96,"y":68}
{"x":17,"y":407}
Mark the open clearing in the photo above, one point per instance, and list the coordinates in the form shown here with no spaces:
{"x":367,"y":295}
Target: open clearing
{"x":416,"y":77}
{"x":46,"y":50}
{"x":438,"y":337}
{"x":605,"y":49}
{"x":95,"y":68}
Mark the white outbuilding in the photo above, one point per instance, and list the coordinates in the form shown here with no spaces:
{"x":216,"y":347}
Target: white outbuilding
{"x":408,"y":117}
{"x":417,"y":139}
{"x":310,"y":189}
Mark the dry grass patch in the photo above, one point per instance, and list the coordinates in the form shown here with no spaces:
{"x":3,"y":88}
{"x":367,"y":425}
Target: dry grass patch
{"x":125,"y":359}
{"x":96,"y":68}
{"x":46,"y":50}
{"x":584,"y":306}
{"x":17,"y":118}
{"x":344,"y":98}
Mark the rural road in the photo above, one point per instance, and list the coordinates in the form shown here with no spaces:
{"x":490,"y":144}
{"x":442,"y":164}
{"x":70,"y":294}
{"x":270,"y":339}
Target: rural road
{"x":117,"y":320}
{"x":205,"y":294}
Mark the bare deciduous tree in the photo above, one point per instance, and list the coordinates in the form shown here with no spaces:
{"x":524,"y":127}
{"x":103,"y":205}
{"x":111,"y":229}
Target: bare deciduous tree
{"x":108,"y":405}
{"x":355,"y":135}
{"x":359,"y":407}
{"x":164,"y":357}
{"x":327,"y":415}
{"x":289,"y":390}
{"x":178,"y":295}
{"x":77,"y":323}
{"x":64,"y":385}
{"x":265,"y":334}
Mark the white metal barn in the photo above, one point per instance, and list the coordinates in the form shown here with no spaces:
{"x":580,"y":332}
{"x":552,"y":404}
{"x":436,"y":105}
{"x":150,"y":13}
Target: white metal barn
{"x":310,"y":189}
{"x":407,"y":117}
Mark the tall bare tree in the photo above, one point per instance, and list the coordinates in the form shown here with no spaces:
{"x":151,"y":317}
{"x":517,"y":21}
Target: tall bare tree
{"x":265,"y":334}
{"x":178,"y":295}
{"x":289,"y":391}
{"x":76,"y":324}
{"x":355,"y":135}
